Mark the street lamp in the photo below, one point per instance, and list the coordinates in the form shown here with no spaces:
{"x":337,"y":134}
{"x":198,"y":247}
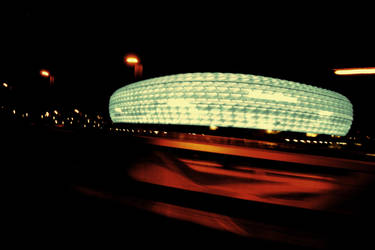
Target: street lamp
{"x":47,"y":74}
{"x":133,"y":61}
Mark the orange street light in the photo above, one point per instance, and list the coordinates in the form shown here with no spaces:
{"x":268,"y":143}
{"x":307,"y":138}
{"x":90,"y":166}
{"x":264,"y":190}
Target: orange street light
{"x":46,"y":73}
{"x":131,"y":60}
{"x":134,"y":61}
{"x":355,"y":71}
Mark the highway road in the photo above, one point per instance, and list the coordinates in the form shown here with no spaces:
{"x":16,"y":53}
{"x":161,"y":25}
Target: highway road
{"x":288,"y":198}
{"x":92,"y":187}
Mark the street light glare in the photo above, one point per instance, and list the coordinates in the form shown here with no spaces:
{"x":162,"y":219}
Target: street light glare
{"x":355,"y":71}
{"x":44,"y":73}
{"x":132,"y":60}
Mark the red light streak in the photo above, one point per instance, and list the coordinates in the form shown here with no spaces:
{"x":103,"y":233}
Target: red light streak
{"x":277,"y":187}
{"x":242,"y":227}
{"x":265,"y":154}
{"x":282,"y":187}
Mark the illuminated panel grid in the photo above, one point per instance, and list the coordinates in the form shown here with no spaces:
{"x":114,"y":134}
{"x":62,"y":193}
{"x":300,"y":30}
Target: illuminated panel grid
{"x":232,"y":100}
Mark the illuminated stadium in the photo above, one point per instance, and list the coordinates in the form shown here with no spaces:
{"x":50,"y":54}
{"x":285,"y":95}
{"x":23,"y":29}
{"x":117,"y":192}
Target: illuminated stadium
{"x":232,"y":100}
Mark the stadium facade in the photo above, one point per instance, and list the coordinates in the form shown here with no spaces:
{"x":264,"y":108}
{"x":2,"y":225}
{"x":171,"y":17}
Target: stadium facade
{"x":232,"y":100}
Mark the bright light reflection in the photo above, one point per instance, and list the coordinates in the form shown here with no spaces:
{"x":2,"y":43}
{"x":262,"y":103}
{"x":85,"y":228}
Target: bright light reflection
{"x":355,"y":71}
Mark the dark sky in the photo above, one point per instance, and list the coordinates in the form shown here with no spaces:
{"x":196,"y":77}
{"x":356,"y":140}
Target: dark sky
{"x":84,"y":45}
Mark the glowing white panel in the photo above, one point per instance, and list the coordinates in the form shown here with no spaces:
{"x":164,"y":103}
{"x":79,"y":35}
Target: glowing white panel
{"x":232,"y":100}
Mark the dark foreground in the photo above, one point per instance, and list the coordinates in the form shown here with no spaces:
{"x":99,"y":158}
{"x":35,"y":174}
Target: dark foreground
{"x":66,"y":188}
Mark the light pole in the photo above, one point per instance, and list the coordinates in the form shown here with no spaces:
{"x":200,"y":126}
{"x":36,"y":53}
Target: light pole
{"x":133,"y":61}
{"x":45,"y":73}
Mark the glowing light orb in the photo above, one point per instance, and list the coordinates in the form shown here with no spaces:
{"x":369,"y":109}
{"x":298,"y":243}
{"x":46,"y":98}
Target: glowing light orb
{"x":232,"y":100}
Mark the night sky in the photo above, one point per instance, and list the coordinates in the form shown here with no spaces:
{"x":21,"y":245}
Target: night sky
{"x":84,"y":45}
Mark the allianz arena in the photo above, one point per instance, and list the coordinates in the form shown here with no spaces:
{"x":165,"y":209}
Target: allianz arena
{"x":232,"y":100}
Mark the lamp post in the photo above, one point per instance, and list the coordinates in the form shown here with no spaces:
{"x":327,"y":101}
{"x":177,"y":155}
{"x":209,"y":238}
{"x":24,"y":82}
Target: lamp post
{"x":45,"y":73}
{"x":133,"y":61}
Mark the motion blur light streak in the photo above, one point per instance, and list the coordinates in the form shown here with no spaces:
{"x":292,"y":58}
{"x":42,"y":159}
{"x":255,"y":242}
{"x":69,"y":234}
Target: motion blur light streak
{"x":261,"y":185}
{"x":242,"y":227}
{"x":258,"y":153}
{"x":355,"y":71}
{"x":232,"y":100}
{"x":207,"y":167}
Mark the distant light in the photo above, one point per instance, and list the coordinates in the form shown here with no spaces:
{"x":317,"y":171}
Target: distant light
{"x":76,"y":111}
{"x":355,"y":71}
{"x":5,"y":85}
{"x":131,"y":59}
{"x":44,"y":73}
{"x":213,"y":127}
{"x":311,"y":135}
{"x":270,"y":131}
